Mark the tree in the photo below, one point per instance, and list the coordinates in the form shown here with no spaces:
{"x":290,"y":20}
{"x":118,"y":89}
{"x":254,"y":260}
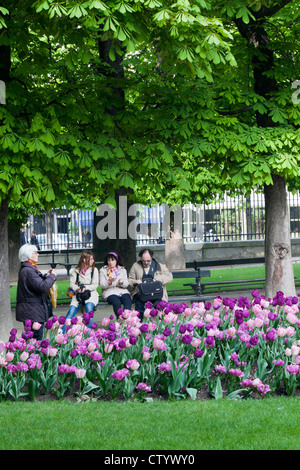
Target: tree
{"x":268,"y":120}
{"x":250,"y":134}
{"x":59,"y":142}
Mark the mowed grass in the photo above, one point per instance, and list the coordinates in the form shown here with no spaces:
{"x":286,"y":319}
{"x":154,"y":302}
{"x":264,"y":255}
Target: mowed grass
{"x":224,"y":274}
{"x":262,"y":424}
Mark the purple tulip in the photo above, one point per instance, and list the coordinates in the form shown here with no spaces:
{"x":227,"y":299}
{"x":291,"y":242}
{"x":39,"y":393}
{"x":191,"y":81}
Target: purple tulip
{"x":209,"y":341}
{"x":271,"y":335}
{"x":153,"y":312}
{"x":254,"y":340}
{"x":186,"y":339}
{"x":198,"y":352}
{"x":111,"y":336}
{"x":49,"y":325}
{"x":122,"y":344}
{"x":272,"y":316}
{"x":144,"y":327}
{"x":45,"y":343}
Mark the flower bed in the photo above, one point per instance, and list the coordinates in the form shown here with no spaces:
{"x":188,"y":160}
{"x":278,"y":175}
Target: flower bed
{"x":231,"y":347}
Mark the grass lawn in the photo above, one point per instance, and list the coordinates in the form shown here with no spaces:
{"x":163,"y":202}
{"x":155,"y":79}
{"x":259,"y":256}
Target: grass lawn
{"x":262,"y":424}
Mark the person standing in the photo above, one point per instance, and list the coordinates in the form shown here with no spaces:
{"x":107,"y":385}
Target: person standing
{"x":147,"y":268}
{"x":86,"y":238}
{"x":34,"y":240}
{"x":114,"y":283}
{"x":32,"y":290}
{"x":23,"y":236}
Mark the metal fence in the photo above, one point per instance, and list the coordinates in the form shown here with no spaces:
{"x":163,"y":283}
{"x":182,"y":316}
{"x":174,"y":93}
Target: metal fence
{"x":61,"y":229}
{"x":231,"y":219}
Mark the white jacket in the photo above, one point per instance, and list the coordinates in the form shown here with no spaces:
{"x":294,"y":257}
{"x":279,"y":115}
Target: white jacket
{"x":90,"y":284}
{"x":113,"y":288}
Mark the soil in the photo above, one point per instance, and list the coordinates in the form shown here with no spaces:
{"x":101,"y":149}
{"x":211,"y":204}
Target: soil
{"x":202,"y":395}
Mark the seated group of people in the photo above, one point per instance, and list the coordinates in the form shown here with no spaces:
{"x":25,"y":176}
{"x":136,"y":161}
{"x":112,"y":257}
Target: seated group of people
{"x":118,"y":289}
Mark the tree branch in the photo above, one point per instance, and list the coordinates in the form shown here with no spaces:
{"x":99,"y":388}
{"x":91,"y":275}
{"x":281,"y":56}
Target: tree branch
{"x":270,"y":11}
{"x":236,"y":111}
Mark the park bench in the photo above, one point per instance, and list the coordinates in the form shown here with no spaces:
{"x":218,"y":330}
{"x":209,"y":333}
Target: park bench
{"x":197,"y":273}
{"x":206,"y":286}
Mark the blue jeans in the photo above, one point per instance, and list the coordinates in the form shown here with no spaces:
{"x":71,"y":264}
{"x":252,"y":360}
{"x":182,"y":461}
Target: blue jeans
{"x":139,"y":306}
{"x":89,"y":306}
{"x":116,"y":301}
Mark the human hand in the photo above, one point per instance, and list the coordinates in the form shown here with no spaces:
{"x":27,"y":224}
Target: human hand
{"x":51,"y":271}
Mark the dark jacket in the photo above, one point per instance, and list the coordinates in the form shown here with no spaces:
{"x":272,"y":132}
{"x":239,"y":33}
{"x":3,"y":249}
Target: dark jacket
{"x":32,"y":294}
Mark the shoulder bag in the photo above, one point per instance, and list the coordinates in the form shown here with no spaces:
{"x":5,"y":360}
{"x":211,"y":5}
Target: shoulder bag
{"x":150,"y":291}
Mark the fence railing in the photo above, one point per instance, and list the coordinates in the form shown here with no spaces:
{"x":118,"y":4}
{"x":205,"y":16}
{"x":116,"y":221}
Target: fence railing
{"x":232,"y":219}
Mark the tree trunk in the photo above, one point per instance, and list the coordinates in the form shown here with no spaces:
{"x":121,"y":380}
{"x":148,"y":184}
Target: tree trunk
{"x":279,"y":267}
{"x":13,"y":250}
{"x":174,"y":244}
{"x":122,"y":243}
{"x":6,"y":323}
{"x":118,"y":238}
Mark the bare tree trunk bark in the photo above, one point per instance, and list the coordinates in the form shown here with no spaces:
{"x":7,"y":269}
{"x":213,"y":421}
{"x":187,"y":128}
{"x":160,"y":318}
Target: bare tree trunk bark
{"x":13,"y":250}
{"x":279,"y":267}
{"x":6,"y":323}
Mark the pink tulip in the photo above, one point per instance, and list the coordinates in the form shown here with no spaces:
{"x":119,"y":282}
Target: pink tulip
{"x":24,"y":356}
{"x":80,"y":373}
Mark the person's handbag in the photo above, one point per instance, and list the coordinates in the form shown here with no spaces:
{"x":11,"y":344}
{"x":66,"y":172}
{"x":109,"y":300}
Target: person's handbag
{"x":83,"y":296}
{"x":53,"y":295}
{"x":70,"y":292}
{"x":150,"y":291}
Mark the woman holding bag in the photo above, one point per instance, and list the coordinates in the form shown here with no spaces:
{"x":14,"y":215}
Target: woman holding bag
{"x":114,"y":282}
{"x":84,"y":281}
{"x":32,"y":290}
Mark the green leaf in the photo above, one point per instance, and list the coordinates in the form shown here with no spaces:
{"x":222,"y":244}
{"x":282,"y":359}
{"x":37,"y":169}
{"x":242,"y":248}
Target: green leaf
{"x":192,"y":393}
{"x":75,"y":12}
{"x":44,"y":5}
{"x":4,"y":11}
{"x":126,"y":180}
{"x":218,"y":392}
{"x":98,"y":5}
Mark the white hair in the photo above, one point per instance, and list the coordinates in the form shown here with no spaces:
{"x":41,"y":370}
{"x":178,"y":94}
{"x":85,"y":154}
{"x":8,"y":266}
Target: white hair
{"x":26,"y":251}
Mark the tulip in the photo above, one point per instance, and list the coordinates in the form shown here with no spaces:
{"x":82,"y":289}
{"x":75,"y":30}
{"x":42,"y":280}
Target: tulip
{"x":24,"y":356}
{"x":80,"y":373}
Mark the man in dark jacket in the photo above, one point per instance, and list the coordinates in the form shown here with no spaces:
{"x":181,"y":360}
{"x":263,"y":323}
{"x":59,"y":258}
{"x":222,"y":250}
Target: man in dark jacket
{"x":32,"y":290}
{"x":34,"y":240}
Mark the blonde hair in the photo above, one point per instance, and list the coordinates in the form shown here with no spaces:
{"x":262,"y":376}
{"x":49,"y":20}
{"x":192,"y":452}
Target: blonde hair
{"x":84,"y":260}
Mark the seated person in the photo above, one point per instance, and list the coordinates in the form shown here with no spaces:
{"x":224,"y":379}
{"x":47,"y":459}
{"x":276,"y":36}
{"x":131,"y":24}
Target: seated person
{"x":144,"y":269}
{"x":114,"y":282}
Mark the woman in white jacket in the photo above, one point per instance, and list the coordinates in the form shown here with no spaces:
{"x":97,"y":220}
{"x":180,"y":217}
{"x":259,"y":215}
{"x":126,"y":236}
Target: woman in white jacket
{"x":84,"y":278}
{"x":114,"y":282}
